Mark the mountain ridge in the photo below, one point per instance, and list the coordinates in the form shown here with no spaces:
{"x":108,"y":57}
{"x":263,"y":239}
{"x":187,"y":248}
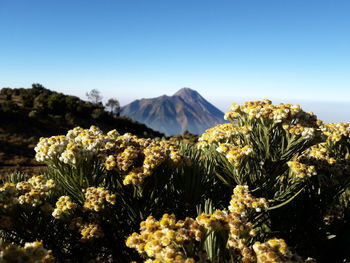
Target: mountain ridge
{"x":186,"y":110}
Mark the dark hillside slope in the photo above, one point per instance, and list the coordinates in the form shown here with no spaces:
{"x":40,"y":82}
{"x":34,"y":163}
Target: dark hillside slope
{"x":28,"y":114}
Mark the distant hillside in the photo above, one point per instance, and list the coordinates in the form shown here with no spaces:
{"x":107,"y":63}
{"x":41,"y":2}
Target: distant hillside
{"x":28,"y":114}
{"x":186,"y":110}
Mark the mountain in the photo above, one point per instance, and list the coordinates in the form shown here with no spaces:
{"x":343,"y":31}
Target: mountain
{"x":28,"y":114}
{"x":186,"y":110}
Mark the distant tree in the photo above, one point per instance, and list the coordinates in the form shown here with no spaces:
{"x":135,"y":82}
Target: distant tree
{"x":94,"y":96}
{"x":37,"y":86}
{"x":38,"y":89}
{"x":114,"y":106}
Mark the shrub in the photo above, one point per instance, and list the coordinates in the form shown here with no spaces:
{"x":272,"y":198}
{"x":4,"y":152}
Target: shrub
{"x":56,"y":103}
{"x":111,"y":197}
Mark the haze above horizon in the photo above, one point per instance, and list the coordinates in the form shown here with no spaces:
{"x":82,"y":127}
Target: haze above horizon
{"x":244,"y":50}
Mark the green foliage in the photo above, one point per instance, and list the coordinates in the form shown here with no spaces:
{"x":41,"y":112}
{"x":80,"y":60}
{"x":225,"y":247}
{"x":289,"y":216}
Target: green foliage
{"x":56,"y":103}
{"x":9,"y":107}
{"x":97,"y":113}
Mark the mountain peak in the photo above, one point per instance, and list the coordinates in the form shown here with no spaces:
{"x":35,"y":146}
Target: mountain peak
{"x":185,"y":92}
{"x":186,"y":110}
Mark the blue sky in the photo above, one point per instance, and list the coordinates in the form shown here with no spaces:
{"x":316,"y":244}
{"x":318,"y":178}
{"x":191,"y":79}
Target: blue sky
{"x":227,"y":50}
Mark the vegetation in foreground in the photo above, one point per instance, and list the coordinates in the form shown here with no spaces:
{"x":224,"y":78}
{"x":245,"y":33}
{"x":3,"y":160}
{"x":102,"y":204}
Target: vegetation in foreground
{"x":271,"y":186}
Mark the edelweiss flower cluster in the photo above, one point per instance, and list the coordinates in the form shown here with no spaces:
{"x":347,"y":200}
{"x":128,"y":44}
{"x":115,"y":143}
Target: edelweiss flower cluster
{"x":31,"y":252}
{"x":30,"y":192}
{"x":336,"y":131}
{"x":234,"y":154}
{"x":241,"y":230}
{"x":294,"y":119}
{"x":215,"y":221}
{"x":163,"y":240}
{"x":242,"y":201}
{"x":40,"y":182}
{"x":78,"y":144}
{"x":302,"y":170}
{"x":89,"y":230}
{"x":8,"y":195}
{"x":49,"y":148}
{"x":265,"y":109}
{"x":320,"y":157}
{"x":275,"y":250}
{"x":139,"y":157}
{"x":33,"y":197}
{"x":97,"y":197}
{"x":320,"y":152}
{"x":221,"y":133}
{"x":64,"y":205}
{"x":306,"y":132}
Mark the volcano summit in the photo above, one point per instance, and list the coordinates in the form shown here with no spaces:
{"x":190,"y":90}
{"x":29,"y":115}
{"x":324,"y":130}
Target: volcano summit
{"x":186,"y":110}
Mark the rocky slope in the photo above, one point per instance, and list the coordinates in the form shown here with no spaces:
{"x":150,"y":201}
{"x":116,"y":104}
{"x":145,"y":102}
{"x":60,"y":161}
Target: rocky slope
{"x":186,"y":110}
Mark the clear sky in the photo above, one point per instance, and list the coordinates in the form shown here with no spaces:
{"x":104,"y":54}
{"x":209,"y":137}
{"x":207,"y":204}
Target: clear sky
{"x":227,"y":50}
